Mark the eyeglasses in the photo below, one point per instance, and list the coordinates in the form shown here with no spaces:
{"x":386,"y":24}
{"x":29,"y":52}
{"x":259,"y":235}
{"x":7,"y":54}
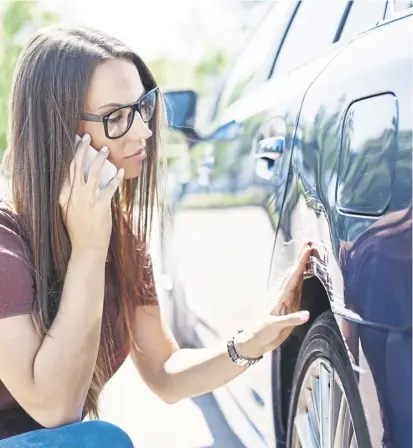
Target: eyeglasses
{"x":118,"y":121}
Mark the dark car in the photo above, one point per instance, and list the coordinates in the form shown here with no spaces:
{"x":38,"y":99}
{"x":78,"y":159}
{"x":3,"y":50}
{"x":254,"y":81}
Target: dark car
{"x":314,"y":138}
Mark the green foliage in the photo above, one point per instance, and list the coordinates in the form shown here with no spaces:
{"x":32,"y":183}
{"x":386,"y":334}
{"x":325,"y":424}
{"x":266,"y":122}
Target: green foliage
{"x":187,"y":75}
{"x":213,"y":64}
{"x":17,"y":17}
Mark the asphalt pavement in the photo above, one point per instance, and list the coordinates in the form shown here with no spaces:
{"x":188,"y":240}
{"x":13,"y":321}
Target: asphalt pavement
{"x":151,"y":423}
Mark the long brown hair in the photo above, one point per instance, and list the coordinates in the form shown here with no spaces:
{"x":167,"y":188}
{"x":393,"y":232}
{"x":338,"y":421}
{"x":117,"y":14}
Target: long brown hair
{"x":48,"y":95}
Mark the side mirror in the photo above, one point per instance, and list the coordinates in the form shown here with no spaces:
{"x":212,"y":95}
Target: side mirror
{"x":181,"y":112}
{"x":181,"y":108}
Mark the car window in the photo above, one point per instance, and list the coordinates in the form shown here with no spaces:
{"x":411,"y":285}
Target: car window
{"x":254,"y":63}
{"x":397,"y":6}
{"x":314,"y":28}
{"x":402,"y":5}
{"x":362,"y":16}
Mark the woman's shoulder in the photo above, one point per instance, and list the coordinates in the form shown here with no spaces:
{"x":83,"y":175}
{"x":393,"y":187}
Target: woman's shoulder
{"x":11,"y":240}
{"x":8,"y":218}
{"x":16,"y":273}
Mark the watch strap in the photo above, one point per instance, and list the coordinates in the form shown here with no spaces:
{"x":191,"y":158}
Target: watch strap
{"x":238,"y":359}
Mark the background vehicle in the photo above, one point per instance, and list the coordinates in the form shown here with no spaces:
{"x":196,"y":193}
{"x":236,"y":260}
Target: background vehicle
{"x":313,"y":128}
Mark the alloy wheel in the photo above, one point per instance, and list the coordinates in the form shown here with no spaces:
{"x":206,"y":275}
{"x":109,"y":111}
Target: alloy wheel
{"x":323,"y":418}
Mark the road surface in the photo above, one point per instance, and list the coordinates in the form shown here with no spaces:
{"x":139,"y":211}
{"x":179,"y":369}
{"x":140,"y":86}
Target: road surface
{"x":197,"y":423}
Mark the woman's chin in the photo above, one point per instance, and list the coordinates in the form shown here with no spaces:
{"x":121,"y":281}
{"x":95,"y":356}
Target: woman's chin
{"x":133,"y":172}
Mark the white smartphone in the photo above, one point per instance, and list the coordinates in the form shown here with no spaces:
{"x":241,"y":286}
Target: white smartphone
{"x":108,"y":170}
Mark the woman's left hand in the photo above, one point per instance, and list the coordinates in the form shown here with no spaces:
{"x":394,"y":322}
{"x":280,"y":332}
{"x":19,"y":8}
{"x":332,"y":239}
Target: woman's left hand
{"x":283,"y":316}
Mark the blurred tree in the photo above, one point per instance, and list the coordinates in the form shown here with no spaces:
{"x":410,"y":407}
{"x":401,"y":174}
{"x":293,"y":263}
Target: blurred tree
{"x":184,"y":74}
{"x":171,"y":73}
{"x":212,"y":64}
{"x":17,"y":19}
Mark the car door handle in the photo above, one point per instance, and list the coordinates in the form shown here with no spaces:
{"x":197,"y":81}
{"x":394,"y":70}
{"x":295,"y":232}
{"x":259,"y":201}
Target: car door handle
{"x":268,"y":151}
{"x":271,"y":148}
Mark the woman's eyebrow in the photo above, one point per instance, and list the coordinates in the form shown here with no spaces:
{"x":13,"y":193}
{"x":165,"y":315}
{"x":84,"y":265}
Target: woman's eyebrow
{"x":119,"y":104}
{"x":110,"y":105}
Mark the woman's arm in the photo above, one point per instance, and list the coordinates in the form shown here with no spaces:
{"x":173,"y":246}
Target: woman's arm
{"x":50,"y":378}
{"x":174,"y":374}
{"x":66,"y":360}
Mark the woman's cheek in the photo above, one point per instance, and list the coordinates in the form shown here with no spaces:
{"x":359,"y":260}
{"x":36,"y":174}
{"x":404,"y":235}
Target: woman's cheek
{"x":118,"y":162}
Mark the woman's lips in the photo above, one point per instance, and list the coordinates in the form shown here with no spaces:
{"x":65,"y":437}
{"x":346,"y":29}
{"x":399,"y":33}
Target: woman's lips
{"x":138,"y":155}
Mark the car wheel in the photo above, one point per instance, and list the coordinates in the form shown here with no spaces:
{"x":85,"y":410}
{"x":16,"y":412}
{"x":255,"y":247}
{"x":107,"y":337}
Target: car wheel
{"x":325,"y":407}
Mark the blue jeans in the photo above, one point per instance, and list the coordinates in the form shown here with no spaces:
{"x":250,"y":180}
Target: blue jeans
{"x":90,"y":434}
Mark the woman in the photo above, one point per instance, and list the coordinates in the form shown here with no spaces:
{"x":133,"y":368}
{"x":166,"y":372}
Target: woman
{"x":77,"y":293}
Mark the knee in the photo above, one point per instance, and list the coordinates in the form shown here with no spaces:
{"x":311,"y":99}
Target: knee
{"x":103,"y":434}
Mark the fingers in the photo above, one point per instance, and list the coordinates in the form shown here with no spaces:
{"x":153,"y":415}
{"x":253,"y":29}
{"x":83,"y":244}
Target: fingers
{"x":296,"y":275}
{"x":64,"y":194}
{"x":96,"y":168}
{"x":305,"y":252}
{"x":291,"y":320}
{"x":108,"y":192}
{"x":79,"y":159}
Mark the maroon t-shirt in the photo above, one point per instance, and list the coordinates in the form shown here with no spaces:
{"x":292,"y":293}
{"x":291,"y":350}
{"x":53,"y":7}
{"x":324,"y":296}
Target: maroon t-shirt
{"x":16,"y":296}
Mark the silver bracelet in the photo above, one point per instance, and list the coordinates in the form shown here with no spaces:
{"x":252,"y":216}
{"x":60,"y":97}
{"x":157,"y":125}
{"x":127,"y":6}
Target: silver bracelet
{"x":238,"y":359}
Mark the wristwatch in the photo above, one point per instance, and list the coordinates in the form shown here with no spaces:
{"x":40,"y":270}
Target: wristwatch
{"x":242,"y":361}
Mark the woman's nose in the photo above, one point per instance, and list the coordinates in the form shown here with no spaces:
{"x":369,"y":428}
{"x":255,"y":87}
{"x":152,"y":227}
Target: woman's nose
{"x":139,"y":128}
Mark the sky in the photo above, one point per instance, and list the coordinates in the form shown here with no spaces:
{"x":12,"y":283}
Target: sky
{"x":177,"y":29}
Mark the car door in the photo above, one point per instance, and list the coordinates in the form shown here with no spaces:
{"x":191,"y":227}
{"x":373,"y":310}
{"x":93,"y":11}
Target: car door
{"x":349,"y":191}
{"x":234,"y":280}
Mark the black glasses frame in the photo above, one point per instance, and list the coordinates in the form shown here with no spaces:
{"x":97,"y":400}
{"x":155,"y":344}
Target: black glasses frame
{"x":105,"y":117}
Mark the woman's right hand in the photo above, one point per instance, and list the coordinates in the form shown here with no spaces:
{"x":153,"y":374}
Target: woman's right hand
{"x":86,"y":210}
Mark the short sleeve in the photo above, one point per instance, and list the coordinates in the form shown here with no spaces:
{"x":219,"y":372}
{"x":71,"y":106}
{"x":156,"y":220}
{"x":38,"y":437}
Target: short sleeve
{"x":16,"y":278}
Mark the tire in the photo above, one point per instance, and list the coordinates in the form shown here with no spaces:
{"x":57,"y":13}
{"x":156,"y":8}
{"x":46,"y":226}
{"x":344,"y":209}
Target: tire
{"x":323,"y":362}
